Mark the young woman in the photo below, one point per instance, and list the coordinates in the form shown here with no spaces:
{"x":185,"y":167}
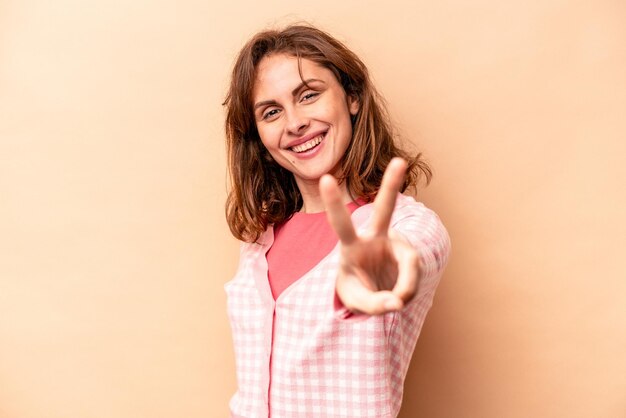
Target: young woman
{"x":337,"y":268}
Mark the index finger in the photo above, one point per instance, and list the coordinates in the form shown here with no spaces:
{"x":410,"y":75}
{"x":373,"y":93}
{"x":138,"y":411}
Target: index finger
{"x":386,"y":199}
{"x":336,"y":211}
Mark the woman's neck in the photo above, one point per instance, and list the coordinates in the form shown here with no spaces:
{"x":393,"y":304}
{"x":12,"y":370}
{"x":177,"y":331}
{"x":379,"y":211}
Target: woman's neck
{"x":311,"y":198}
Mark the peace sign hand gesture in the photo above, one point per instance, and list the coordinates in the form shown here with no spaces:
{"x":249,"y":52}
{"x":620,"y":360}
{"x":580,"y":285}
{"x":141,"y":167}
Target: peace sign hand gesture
{"x":379,"y":271}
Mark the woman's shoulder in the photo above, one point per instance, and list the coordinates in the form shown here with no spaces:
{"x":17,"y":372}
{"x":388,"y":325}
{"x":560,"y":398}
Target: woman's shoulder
{"x":406,"y":207}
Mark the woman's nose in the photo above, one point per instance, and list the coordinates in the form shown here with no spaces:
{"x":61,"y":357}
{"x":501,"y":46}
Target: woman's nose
{"x":296,"y":122}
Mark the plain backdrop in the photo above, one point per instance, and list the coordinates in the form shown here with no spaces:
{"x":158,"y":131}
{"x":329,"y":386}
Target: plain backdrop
{"x":114,"y":247}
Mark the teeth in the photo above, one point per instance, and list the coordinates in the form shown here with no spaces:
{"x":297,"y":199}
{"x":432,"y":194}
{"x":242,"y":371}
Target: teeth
{"x":309,"y":144}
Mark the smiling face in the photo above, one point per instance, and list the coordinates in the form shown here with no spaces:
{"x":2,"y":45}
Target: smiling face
{"x":303,"y":122}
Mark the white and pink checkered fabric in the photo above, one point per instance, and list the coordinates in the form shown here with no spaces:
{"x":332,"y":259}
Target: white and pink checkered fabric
{"x":324,"y":361}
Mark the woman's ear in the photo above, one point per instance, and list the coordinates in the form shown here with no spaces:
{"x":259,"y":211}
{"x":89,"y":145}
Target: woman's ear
{"x":354,"y":105}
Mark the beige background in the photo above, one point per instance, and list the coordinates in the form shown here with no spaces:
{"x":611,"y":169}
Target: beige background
{"x":114,"y":247}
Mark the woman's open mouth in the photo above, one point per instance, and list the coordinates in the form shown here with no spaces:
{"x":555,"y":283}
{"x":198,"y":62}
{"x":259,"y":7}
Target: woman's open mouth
{"x":308,"y":145}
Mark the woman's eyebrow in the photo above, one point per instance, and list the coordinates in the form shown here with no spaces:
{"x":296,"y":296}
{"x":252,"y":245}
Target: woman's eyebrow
{"x":294,"y":92}
{"x":303,"y":84}
{"x":264,"y":103}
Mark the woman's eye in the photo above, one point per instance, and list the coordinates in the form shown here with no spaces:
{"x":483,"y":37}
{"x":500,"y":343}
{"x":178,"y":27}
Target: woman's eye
{"x":309,"y":96}
{"x":270,"y":113}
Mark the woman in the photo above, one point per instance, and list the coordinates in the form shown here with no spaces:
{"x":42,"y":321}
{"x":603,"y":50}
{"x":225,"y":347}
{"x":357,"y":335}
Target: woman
{"x":321,"y":328}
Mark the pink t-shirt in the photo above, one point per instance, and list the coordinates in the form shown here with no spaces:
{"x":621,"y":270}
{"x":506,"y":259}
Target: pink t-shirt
{"x":300,"y":243}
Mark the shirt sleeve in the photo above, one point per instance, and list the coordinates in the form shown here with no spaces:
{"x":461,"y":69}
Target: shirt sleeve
{"x":423,"y":229}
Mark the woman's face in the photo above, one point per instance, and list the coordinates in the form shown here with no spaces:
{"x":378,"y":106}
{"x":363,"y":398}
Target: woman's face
{"x":305,"y":127}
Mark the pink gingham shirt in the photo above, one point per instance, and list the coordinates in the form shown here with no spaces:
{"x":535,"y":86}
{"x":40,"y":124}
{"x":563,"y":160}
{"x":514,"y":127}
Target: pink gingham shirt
{"x":326,"y":362}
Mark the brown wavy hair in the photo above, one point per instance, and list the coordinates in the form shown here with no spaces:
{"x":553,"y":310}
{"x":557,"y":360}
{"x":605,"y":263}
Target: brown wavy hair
{"x":264,"y":193}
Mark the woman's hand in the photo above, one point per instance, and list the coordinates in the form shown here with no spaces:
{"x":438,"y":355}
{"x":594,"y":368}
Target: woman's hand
{"x":379,"y":271}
